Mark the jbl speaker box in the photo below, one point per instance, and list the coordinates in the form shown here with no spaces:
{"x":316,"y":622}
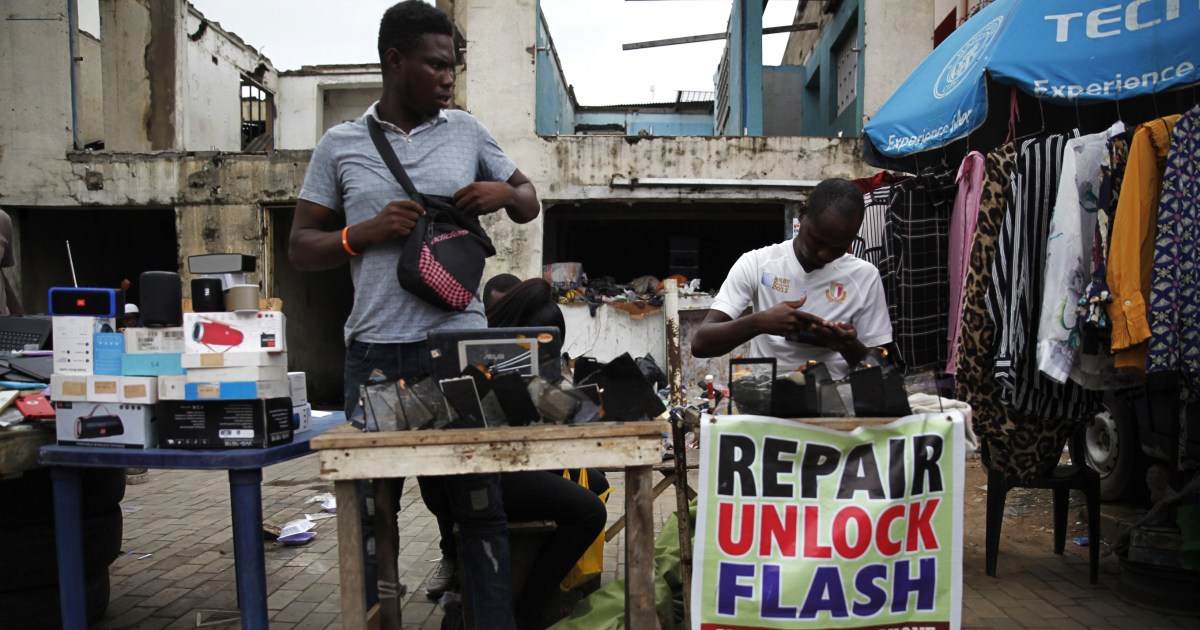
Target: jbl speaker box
{"x":112,"y":425}
{"x":225,"y":423}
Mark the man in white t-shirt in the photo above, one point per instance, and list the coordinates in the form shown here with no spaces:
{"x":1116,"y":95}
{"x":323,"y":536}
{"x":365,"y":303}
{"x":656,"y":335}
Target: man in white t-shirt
{"x":844,"y":311}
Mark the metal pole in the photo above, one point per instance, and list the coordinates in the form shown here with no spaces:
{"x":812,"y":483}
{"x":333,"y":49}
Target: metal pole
{"x":674,"y":357}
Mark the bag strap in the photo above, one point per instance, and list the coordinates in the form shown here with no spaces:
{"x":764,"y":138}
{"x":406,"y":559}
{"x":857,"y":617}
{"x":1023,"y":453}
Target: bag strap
{"x":389,"y":157}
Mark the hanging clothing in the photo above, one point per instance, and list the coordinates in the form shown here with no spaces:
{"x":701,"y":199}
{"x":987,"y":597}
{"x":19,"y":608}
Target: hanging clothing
{"x":873,"y":231}
{"x":882,"y":179}
{"x":1068,"y":263}
{"x":1018,"y":445}
{"x":1016,"y":292}
{"x":1175,"y":291}
{"x":914,"y":270}
{"x":962,"y":233}
{"x":1095,"y":330}
{"x":1131,"y":251}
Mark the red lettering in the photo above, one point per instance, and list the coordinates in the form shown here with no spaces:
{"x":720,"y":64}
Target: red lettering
{"x":745,"y":540}
{"x":920,"y":525}
{"x":781,"y":531}
{"x":862,"y":532}
{"x":883,"y":531}
{"x":812,"y":521}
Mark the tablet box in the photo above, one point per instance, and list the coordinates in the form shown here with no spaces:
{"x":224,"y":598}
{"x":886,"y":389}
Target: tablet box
{"x":103,"y":388}
{"x":243,"y":373}
{"x":153,"y":340}
{"x":191,"y":360}
{"x":68,"y":387}
{"x":139,"y":389}
{"x":112,"y":425}
{"x":299,"y":388}
{"x":156,"y":364}
{"x":229,"y":390}
{"x":233,"y":332}
{"x":74,"y":337}
{"x":110,"y":347}
{"x":224,"y":423}
{"x":301,"y":418}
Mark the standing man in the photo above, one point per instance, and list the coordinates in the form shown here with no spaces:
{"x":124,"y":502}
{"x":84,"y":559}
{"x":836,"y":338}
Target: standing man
{"x":9,"y":302}
{"x":844,"y":307}
{"x":445,"y":152}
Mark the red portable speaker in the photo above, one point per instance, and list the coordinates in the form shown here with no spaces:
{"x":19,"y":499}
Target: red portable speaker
{"x":212,"y":333}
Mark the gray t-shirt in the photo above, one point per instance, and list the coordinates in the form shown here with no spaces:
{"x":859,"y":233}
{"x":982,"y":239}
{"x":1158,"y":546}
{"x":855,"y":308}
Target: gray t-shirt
{"x":346,"y":174}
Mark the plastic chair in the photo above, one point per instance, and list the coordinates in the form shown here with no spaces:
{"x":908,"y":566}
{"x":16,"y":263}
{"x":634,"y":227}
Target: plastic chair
{"x":1061,"y":481}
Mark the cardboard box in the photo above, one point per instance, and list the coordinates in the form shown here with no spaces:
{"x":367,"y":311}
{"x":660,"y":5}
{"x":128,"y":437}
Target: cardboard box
{"x":299,"y":388}
{"x":139,"y":389}
{"x":191,"y":360}
{"x":68,"y":387}
{"x":157,"y":364}
{"x":224,"y":423}
{"x":229,"y":390}
{"x":103,"y":388}
{"x":171,"y":387}
{"x":301,"y":418}
{"x":110,"y":347}
{"x":243,"y":373}
{"x":74,"y":337}
{"x":153,"y":340}
{"x":206,"y":333}
{"x":112,"y":425}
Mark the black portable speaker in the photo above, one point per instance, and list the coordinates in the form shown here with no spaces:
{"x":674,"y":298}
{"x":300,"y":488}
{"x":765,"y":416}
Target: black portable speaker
{"x":92,"y":427}
{"x":162,"y":299}
{"x":207,"y":296}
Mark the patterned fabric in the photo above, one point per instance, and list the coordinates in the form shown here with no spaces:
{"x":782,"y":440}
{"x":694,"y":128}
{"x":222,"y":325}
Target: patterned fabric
{"x":1095,"y":331}
{"x":871,"y":234}
{"x":914,"y":271}
{"x":1175,"y":292}
{"x":1016,"y":293}
{"x":438,"y":279}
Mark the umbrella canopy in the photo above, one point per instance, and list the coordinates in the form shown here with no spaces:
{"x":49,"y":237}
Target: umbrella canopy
{"x":1063,"y":53}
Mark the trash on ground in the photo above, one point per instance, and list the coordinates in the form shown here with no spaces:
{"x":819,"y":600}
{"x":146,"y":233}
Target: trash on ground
{"x":327,"y":500}
{"x":1082,"y":541}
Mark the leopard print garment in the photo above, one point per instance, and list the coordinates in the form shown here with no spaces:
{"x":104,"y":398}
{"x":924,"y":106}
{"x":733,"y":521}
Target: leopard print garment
{"x":1018,"y":445}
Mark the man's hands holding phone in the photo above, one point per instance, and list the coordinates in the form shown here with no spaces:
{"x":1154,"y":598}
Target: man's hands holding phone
{"x":788,"y":321}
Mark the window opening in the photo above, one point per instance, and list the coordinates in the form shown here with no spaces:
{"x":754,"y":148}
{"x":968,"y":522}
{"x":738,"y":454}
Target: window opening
{"x":258,"y":107}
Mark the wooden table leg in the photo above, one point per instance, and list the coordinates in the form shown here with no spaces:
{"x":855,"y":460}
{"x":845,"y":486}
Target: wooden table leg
{"x":639,"y":549}
{"x":387,"y":540}
{"x":350,"y":555}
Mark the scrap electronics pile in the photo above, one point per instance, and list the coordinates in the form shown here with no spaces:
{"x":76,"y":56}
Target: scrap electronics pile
{"x":214,"y":377}
{"x":509,"y":376}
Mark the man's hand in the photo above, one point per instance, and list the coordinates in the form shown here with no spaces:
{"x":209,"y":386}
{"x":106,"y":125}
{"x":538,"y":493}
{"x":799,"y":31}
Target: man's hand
{"x":482,"y":198}
{"x":836,"y":336}
{"x":786,"y":318}
{"x":395,"y":220}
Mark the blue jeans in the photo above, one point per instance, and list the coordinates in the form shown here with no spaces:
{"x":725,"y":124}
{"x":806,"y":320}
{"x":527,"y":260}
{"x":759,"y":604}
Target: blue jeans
{"x":474,"y":500}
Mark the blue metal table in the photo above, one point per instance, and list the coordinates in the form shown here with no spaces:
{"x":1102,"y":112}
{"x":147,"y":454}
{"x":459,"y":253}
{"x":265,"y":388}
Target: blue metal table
{"x":67,"y":464}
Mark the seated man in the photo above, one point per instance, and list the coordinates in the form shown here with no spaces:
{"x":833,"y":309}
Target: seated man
{"x":810,"y":299}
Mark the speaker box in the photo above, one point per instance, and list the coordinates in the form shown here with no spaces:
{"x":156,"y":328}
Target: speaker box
{"x":162,"y":299}
{"x":207,"y":296}
{"x":86,"y":302}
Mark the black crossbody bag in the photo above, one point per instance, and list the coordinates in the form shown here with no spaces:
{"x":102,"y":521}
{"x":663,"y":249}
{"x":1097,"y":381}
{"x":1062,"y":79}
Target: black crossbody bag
{"x":443,"y":257}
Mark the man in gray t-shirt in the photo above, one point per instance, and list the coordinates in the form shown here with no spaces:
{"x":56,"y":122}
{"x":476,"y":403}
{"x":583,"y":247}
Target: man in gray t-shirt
{"x":445,"y":152}
{"x":9,"y":304}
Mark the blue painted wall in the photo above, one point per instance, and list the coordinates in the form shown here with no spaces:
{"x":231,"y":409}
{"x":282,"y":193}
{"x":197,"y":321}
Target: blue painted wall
{"x":554,"y":112}
{"x":656,"y":124}
{"x":745,"y":69}
{"x":819,"y":102}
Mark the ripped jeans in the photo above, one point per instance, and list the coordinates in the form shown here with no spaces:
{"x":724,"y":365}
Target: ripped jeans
{"x":475,"y":501}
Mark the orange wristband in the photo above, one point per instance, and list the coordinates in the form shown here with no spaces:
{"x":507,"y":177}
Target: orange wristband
{"x":346,"y":243}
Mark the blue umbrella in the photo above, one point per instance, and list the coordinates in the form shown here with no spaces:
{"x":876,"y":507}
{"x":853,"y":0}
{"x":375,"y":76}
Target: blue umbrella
{"x":1064,"y":53}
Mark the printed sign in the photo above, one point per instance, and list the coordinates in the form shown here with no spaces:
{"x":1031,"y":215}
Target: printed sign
{"x":800,"y":526}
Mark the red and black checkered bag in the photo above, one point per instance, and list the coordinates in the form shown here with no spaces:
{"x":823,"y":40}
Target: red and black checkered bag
{"x":443,"y":257}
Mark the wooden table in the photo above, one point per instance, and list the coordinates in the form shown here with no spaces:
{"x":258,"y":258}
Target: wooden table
{"x":348,"y":455}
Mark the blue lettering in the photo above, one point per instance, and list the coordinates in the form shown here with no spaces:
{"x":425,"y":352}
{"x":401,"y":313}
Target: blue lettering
{"x":825,"y":594}
{"x":865,"y":584}
{"x":772,"y":589}
{"x":728,"y":588}
{"x":924,"y":585}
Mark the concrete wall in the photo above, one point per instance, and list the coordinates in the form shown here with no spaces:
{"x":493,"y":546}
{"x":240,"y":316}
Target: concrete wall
{"x":91,"y":90}
{"x":303,"y":117}
{"x":652,"y":123}
{"x":898,"y":36}
{"x":821,"y":115}
{"x":35,"y":100}
{"x":783,"y":89}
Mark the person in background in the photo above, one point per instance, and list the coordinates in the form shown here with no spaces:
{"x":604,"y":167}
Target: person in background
{"x":10,"y":303}
{"x":810,"y":299}
{"x":578,"y":513}
{"x":445,"y":152}
{"x":496,"y":287}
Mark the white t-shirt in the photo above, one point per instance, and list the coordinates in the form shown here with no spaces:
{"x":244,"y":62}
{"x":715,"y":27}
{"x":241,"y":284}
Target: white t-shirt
{"x":846,"y":290}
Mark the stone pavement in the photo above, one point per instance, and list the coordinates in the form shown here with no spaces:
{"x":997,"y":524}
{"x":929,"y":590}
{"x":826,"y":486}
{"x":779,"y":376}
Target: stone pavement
{"x":179,"y":562}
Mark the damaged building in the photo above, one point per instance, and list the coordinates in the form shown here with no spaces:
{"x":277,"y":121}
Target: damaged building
{"x":164,"y":136}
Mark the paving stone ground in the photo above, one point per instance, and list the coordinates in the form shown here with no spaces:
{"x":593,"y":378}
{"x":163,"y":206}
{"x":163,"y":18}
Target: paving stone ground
{"x":179,"y":563}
